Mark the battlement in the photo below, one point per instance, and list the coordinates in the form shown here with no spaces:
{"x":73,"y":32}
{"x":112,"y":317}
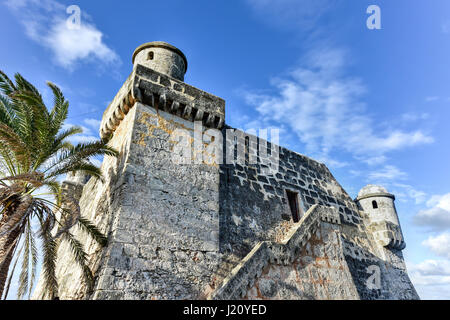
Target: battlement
{"x":165,"y":93}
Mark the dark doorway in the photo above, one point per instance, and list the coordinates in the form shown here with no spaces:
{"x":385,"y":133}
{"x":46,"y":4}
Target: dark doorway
{"x":374,"y":204}
{"x":293,"y":205}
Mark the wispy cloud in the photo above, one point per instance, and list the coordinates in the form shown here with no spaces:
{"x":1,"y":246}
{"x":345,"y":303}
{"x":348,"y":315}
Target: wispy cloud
{"x":410,"y":192}
{"x":93,"y":123}
{"x":437,"y":216}
{"x":292,"y":13}
{"x":445,"y":27}
{"x":372,"y":160}
{"x":388,"y":172}
{"x":439,"y":244}
{"x":431,"y":98}
{"x":431,"y":278}
{"x":412,"y":117}
{"x":89,"y":132}
{"x":325,"y":109}
{"x":45,"y":23}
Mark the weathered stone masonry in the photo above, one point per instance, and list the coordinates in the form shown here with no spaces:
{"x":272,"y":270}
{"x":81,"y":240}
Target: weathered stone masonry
{"x":221,"y":231}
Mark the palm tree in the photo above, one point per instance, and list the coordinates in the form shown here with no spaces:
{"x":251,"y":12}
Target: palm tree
{"x":34,"y":152}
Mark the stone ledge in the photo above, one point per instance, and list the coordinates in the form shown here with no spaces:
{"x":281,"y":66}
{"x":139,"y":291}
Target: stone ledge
{"x":372,"y":195}
{"x":162,"y":92}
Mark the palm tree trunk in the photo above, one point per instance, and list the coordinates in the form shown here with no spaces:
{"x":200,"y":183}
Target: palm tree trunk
{"x":7,"y":246}
{"x":13,"y":224}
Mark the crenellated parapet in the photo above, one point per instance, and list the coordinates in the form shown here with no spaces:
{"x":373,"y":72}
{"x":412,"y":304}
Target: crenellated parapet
{"x":162,"y":92}
{"x":388,"y":234}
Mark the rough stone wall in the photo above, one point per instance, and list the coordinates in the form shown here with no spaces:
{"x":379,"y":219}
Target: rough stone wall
{"x":308,"y":264}
{"x":394,"y":280}
{"x":161,"y":218}
{"x":254,"y":205}
{"x":319,"y":272}
{"x":165,"y":242}
{"x":315,"y":261}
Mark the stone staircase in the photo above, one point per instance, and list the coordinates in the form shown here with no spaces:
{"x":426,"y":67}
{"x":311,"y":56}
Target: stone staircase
{"x":243,"y":276}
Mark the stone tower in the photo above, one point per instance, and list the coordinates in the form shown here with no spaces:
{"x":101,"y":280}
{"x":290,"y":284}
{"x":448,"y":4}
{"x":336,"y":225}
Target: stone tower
{"x":162,"y":57}
{"x":212,"y":230}
{"x":380,"y":207}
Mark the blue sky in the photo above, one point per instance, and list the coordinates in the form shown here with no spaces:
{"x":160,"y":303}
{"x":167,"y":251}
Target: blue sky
{"x":372,"y":104}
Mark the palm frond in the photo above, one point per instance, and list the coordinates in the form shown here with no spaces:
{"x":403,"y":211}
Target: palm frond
{"x":6,"y":112}
{"x":34,"y":262}
{"x":60,"y":109}
{"x":23,"y":85}
{"x":70,"y":160}
{"x":84,"y":167}
{"x":14,"y":142}
{"x":23,"y":278}
{"x":81,"y":258}
{"x":34,"y":152}
{"x":93,"y":231}
{"x":55,"y":188}
{"x":6,"y":85}
{"x":34,"y":178}
{"x":50,"y":249}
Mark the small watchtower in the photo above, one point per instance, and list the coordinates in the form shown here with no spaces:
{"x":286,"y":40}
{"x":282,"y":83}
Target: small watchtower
{"x":379,"y":205}
{"x":162,"y":57}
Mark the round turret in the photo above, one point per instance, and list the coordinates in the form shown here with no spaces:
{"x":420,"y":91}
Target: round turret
{"x":162,"y":57}
{"x":378,"y":203}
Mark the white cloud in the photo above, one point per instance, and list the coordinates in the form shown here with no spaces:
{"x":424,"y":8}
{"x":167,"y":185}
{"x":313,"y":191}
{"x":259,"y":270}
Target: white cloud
{"x":82,"y":138}
{"x":445,"y":27}
{"x":388,"y":172}
{"x":431,"y":98}
{"x":372,"y":161}
{"x":86,"y":136}
{"x":417,"y":195}
{"x":45,"y":23}
{"x":437,"y":216}
{"x":440,"y":244}
{"x":411,"y":116}
{"x":431,"y":278}
{"x":70,"y":125}
{"x":94,"y":123}
{"x":292,"y":13}
{"x":71,"y":46}
{"x":323,"y":107}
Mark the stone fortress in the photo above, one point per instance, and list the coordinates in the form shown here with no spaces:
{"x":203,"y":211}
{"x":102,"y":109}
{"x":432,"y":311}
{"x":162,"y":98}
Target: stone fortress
{"x":221,"y":231}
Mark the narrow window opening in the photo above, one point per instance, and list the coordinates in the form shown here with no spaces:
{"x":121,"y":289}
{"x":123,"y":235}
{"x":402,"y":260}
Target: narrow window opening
{"x":150,"y":55}
{"x":293,"y":205}
{"x":374,"y":204}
